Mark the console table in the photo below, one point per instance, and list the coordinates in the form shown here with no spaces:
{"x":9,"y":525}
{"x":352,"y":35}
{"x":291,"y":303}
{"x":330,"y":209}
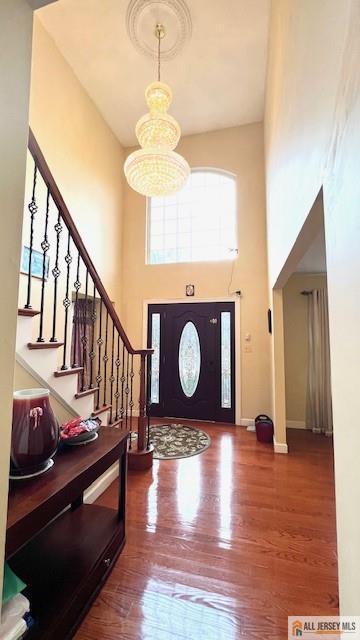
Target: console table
{"x":60,"y":547}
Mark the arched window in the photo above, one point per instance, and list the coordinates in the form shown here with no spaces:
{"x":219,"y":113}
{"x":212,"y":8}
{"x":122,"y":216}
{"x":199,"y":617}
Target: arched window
{"x":196,"y":224}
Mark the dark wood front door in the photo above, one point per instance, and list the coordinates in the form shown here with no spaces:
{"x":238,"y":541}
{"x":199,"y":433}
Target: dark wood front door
{"x":192,"y":369}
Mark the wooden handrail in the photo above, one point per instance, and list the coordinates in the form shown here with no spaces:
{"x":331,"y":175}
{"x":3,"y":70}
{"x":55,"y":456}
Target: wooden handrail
{"x":49,"y":180}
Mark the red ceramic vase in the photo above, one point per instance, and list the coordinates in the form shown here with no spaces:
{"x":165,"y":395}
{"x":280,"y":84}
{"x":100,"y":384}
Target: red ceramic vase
{"x":35,"y":432}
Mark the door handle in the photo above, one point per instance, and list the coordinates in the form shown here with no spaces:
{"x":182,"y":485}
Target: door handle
{"x":213,"y":320}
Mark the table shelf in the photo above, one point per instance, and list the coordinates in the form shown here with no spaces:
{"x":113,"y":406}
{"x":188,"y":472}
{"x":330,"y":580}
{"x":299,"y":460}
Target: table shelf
{"x":65,"y":556}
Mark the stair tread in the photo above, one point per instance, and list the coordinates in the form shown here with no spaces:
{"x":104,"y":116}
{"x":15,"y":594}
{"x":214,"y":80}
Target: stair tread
{"x":116,"y":422}
{"x":45,"y":345}
{"x":30,"y":313}
{"x":87,"y":392}
{"x":101,"y":410}
{"x":67,"y":372}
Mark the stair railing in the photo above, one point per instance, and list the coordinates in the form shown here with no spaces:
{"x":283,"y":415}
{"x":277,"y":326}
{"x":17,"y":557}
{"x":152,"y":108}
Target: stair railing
{"x":93,"y":341}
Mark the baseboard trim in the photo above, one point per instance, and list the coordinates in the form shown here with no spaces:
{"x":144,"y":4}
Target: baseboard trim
{"x":101,"y":484}
{"x":249,"y":423}
{"x":295,"y":424}
{"x":280,"y":447}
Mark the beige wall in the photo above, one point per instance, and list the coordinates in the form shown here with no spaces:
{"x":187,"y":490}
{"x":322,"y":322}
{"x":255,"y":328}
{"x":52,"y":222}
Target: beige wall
{"x":303,"y":76}
{"x":278,"y":371}
{"x":296,"y":341}
{"x":83,"y":154}
{"x":239,"y":150}
{"x":313,"y":74}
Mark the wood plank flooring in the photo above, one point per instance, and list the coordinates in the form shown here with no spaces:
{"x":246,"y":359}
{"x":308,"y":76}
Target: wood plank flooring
{"x":224,"y":545}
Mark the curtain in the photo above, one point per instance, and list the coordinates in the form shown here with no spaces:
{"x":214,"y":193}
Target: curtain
{"x":318,"y":400}
{"x":81,"y":333}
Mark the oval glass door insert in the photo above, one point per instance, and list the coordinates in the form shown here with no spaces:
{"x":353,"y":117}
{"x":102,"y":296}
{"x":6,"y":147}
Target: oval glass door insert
{"x":189,"y":359}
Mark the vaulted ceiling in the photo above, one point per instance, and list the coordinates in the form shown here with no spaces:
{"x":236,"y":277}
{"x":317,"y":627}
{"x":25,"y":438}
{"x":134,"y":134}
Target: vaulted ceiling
{"x":218,"y":78}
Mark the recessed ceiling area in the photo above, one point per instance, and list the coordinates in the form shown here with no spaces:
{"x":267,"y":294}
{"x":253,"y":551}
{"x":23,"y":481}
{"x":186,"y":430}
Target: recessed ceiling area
{"x":217,"y":78}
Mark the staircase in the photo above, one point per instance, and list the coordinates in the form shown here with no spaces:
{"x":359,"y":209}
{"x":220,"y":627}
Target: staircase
{"x":69,"y":336}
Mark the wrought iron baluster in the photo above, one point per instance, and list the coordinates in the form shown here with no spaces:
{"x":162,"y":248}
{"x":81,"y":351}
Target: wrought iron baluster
{"x":112,"y":377}
{"x":99,"y":343}
{"x":84,"y":338}
{"x":77,"y":285}
{"x":106,"y":357}
{"x":56,"y":273}
{"x":117,"y":363}
{"x":67,"y":301}
{"x":131,"y":403}
{"x":92,"y":351}
{"x":33,"y":210}
{"x":45,"y":247}
{"x":127,"y":390}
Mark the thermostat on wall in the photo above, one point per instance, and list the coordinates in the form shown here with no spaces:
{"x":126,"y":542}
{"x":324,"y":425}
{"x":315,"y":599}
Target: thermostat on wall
{"x":190,"y":290}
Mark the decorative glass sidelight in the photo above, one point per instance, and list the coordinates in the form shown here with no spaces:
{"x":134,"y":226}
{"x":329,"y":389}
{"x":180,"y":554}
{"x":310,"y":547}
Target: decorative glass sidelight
{"x":189,"y":359}
{"x":225,"y":360}
{"x":155,"y":358}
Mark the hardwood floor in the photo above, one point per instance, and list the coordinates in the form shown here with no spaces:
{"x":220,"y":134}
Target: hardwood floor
{"x":224,"y":545}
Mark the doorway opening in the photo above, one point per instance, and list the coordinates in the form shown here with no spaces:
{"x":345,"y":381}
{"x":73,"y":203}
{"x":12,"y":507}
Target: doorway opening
{"x":192,"y":370}
{"x":307,"y":348}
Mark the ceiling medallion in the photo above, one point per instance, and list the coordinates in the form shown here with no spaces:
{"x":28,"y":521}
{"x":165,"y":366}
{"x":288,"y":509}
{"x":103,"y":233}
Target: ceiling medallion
{"x":143,"y":14}
{"x":155,"y":169}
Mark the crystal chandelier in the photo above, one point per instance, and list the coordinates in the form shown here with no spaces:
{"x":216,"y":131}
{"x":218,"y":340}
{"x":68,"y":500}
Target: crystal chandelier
{"x":156,"y":169}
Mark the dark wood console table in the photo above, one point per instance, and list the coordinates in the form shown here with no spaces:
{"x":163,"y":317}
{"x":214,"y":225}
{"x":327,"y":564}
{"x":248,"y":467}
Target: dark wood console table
{"x":65,"y":556}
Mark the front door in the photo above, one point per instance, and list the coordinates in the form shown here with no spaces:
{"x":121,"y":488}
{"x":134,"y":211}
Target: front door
{"x":192,"y":369}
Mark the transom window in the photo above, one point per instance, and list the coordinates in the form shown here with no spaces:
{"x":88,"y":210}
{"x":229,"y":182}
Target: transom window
{"x":195,"y":224}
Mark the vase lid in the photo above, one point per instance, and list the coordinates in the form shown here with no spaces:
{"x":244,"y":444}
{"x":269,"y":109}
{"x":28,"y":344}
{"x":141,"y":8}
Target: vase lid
{"x":28,"y":394}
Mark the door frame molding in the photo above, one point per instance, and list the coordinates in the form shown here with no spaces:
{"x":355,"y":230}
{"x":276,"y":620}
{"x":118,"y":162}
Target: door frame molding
{"x":236,"y":302}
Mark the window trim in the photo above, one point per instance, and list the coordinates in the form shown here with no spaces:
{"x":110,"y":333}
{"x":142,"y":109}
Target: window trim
{"x":196,"y":169}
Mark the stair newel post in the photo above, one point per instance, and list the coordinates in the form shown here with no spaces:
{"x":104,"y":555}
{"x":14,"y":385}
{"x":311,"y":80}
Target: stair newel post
{"x":127,"y":390}
{"x":92,"y":344}
{"x":122,"y":409}
{"x":99,"y":343}
{"x":112,"y":377}
{"x":33,"y":210}
{"x":67,"y":301}
{"x":148,"y":399}
{"x":84,"y":337}
{"x":77,"y":285}
{"x":106,"y":356}
{"x":45,"y":247}
{"x":143,"y":456}
{"x":117,"y":363}
{"x":131,"y":402}
{"x":142,"y":404}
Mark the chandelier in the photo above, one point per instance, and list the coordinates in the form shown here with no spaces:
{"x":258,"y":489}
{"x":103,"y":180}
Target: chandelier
{"x":156,"y":169}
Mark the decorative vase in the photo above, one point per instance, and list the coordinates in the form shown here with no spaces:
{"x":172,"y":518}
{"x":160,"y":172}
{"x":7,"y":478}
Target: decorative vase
{"x":35,"y":433}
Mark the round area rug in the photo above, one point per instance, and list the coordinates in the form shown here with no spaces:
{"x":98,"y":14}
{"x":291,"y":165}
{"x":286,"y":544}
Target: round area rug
{"x":177,"y":441}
